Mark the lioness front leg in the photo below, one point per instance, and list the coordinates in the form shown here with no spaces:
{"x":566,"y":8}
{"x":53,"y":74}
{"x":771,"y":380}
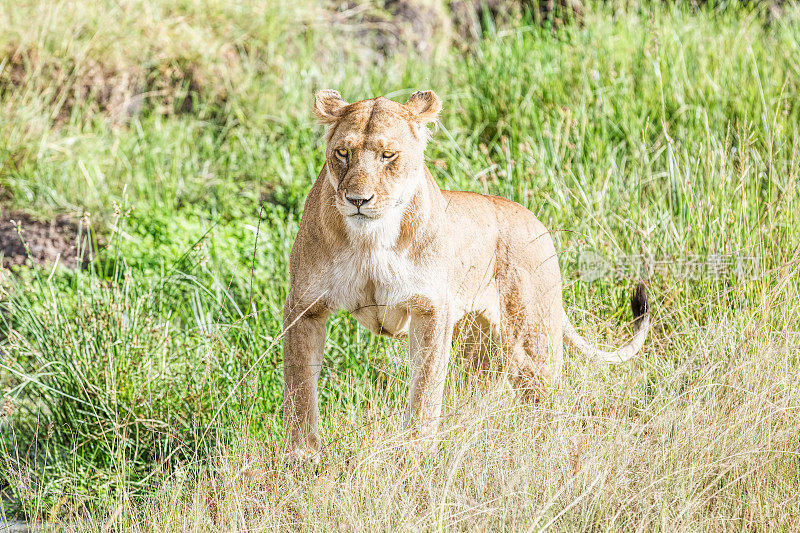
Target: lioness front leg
{"x":303,"y":349}
{"x":430,"y":334}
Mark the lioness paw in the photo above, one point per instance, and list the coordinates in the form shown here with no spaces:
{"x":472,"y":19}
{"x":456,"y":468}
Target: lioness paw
{"x":299,"y":457}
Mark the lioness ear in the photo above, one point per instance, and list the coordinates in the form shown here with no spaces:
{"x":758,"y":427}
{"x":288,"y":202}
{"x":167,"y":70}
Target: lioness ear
{"x":328,"y":105}
{"x":424,"y":106}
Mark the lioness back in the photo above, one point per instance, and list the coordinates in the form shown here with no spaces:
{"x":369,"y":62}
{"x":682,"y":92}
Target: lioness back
{"x":498,"y":222}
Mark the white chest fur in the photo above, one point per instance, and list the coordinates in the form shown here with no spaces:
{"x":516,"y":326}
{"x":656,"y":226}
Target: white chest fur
{"x":375,"y":284}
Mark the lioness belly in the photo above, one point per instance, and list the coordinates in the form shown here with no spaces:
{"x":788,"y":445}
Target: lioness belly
{"x":382,"y":320}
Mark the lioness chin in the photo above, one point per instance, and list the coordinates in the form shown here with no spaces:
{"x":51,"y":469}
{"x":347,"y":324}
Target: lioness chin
{"x":380,"y":239}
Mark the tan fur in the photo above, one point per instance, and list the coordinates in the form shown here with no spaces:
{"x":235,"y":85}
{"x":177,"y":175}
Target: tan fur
{"x":407,"y":259}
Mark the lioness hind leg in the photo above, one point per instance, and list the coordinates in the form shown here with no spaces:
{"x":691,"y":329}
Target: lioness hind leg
{"x":534,"y":355}
{"x":531,"y":374}
{"x":477,"y":340}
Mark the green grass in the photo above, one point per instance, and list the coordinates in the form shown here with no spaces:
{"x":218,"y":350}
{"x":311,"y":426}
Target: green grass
{"x":146,"y":388}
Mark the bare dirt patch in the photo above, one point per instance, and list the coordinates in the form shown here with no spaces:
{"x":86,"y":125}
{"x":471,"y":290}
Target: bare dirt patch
{"x":45,"y":241}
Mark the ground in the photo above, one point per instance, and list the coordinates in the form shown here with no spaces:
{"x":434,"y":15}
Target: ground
{"x":22,"y":237}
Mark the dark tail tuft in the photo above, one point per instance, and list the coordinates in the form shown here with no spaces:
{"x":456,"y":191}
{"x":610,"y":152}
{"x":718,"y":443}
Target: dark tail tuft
{"x":639,"y":302}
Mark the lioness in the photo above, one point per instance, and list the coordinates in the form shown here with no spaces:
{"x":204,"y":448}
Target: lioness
{"x":379,"y":238}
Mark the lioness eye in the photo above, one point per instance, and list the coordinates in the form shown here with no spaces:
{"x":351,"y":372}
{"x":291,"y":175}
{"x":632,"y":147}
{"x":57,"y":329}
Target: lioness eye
{"x":341,"y":152}
{"x":388,"y":155}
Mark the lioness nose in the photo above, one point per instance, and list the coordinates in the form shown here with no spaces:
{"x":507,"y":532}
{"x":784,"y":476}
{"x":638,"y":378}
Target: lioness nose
{"x":358,"y":201}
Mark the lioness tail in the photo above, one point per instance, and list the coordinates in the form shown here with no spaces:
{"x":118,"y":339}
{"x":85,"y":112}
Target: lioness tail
{"x":641,"y":323}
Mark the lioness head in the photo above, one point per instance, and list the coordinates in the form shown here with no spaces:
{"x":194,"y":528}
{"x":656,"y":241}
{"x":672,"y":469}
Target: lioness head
{"x":374,"y":153}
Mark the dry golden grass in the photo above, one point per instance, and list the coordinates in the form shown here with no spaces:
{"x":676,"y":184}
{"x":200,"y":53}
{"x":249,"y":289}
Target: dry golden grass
{"x":704,"y":440}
